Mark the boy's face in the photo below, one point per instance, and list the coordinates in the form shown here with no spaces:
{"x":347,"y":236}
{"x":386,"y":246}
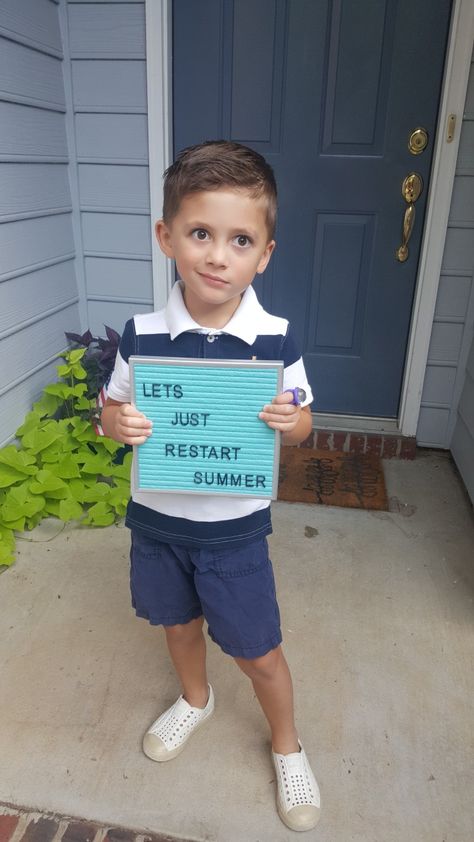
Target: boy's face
{"x":219,"y":240}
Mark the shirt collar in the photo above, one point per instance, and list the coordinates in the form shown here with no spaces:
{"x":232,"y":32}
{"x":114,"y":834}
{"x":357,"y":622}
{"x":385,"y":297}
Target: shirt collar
{"x":242,"y":324}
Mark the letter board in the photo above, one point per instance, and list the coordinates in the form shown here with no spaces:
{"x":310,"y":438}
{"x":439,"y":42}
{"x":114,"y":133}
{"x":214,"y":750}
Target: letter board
{"x":207,"y":437}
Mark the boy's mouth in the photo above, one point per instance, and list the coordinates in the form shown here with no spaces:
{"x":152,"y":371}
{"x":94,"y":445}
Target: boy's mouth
{"x":212,"y":280}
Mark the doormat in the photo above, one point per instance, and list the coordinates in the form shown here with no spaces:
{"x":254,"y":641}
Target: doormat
{"x":332,"y":478}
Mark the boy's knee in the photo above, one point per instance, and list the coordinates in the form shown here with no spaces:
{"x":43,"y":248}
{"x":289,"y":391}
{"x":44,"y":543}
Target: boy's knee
{"x":263,"y":667}
{"x":184,"y":632}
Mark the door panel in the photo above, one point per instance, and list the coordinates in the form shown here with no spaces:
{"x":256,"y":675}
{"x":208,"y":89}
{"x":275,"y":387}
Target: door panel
{"x":329,"y":92}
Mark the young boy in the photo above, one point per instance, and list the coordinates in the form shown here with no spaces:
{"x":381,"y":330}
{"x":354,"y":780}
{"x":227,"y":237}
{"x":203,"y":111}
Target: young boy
{"x":193,"y":556}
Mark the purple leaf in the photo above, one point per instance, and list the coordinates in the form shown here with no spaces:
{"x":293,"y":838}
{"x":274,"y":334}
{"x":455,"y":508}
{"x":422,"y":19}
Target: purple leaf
{"x":112,"y":335}
{"x":85,"y":339}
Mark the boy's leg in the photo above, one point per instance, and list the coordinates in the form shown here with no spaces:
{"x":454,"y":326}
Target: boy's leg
{"x":168,"y":735}
{"x":298,"y":799}
{"x":187,"y":648}
{"x":272,"y":683}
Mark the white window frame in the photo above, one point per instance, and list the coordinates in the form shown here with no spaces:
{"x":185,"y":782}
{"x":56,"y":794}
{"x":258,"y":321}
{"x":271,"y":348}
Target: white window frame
{"x":458,"y":59}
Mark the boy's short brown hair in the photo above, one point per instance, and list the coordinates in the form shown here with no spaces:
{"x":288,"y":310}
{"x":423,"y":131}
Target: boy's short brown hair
{"x":216,"y":164}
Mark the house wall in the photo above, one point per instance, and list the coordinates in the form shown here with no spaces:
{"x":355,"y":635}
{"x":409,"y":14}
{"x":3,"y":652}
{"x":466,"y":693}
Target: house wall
{"x":38,"y":290}
{"x":104,"y":44}
{"x":451,"y":338}
{"x":462,"y":441}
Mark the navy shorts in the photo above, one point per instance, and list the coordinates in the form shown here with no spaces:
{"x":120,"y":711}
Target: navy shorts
{"x":233,"y":588}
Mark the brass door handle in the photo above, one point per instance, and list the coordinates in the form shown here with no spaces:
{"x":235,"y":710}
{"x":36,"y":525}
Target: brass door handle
{"x":412,"y":188}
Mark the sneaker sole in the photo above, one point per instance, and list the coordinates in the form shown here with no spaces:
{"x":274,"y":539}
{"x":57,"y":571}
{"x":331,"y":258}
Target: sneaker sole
{"x":170,"y":755}
{"x":287,"y":821}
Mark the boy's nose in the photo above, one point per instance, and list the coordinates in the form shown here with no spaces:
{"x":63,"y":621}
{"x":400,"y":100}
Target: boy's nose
{"x":216,"y":254}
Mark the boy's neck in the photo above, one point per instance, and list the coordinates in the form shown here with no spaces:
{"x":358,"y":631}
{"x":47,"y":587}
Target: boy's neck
{"x":210,"y":315}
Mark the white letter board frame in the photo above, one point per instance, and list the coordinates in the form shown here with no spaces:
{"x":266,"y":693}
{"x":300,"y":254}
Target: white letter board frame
{"x":260,"y":381}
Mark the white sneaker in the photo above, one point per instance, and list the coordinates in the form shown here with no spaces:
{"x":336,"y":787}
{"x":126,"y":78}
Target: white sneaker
{"x":298,"y":798}
{"x":168,"y":735}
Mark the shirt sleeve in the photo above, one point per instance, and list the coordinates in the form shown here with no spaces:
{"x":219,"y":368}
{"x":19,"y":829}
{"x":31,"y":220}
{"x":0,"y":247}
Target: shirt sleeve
{"x":294,"y":374}
{"x":118,"y":387}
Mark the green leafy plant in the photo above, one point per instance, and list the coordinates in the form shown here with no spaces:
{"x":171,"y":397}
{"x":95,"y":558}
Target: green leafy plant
{"x":99,"y":358}
{"x":60,"y":466}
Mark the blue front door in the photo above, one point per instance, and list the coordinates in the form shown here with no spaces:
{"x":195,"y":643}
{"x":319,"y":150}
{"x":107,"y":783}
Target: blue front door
{"x":330,"y":91}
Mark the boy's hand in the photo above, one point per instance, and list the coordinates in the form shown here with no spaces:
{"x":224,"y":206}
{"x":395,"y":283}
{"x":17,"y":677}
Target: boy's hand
{"x":281,"y":414}
{"x":125,"y":423}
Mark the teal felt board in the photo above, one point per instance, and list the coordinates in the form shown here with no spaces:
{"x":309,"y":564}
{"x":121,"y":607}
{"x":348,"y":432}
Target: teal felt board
{"x":207,"y":437}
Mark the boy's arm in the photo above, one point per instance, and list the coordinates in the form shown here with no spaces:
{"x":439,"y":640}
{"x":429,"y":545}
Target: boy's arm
{"x":294,"y":422}
{"x":124,"y":423}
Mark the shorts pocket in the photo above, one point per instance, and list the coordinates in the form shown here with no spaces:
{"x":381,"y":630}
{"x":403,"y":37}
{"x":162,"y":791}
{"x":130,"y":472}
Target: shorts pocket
{"x":243,"y":561}
{"x":144,"y":548}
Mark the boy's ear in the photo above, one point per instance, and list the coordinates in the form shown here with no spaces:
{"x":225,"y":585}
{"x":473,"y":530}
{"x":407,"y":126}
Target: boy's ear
{"x":265,"y":257}
{"x":163,"y":235}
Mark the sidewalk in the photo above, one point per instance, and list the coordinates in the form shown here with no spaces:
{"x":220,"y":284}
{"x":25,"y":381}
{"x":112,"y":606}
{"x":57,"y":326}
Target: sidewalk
{"x":378,"y":625}
{"x":29,"y":826}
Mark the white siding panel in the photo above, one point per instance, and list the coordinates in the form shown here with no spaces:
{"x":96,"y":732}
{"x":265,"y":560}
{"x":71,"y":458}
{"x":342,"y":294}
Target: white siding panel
{"x":456,"y":301}
{"x":110,"y":136}
{"x":37,"y":342}
{"x":27,"y":73}
{"x":109,"y":100}
{"x":469,"y":106}
{"x":466,"y":149}
{"x":114,"y":314}
{"x":104,"y":30}
{"x":18,"y":402}
{"x":26,"y":297}
{"x":31,"y":241}
{"x":30,"y":132}
{"x":35,"y":20}
{"x":432,"y":426}
{"x":445,"y":342}
{"x":95,"y":84}
{"x":470,"y":361}
{"x":28,"y":188}
{"x":458,"y":250}
{"x":466,"y":404}
{"x":453,"y":296}
{"x":462,"y":202}
{"x":38,"y":290}
{"x":462,"y":448}
{"x":119,"y":278}
{"x":114,"y":187}
{"x":116,"y":234}
{"x":439,"y":384}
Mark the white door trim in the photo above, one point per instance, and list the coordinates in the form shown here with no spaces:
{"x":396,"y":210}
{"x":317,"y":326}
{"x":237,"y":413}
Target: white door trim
{"x":160,"y":127}
{"x":458,"y":62}
{"x":458,"y":59}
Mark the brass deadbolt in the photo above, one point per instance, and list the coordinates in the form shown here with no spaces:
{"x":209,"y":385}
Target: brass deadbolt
{"x":418,"y":141}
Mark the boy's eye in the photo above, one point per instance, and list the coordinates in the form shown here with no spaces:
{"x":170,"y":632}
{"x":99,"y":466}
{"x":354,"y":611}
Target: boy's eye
{"x":200,"y":234}
{"x":242,"y":240}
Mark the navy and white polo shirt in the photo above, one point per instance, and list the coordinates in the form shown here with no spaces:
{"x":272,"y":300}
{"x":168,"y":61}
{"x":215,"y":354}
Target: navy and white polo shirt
{"x":191,"y":519}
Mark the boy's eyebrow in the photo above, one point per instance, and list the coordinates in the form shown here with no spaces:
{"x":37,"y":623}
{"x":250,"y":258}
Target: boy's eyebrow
{"x":245,"y":229}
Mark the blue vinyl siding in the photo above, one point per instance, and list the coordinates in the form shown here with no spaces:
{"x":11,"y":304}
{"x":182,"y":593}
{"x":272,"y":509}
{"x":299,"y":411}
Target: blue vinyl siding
{"x":38,"y":289}
{"x":446,"y":418}
{"x":108,"y":105}
{"x":462,"y":441}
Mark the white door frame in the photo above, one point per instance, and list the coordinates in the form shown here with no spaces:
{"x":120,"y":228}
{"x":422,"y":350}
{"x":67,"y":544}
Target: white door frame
{"x":458,"y":59}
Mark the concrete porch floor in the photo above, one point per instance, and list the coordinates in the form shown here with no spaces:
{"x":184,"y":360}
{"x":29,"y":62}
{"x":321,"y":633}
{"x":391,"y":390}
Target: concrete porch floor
{"x":378,"y":624}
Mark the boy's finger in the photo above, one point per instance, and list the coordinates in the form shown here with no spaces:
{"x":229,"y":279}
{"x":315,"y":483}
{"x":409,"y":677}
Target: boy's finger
{"x":280,"y":409}
{"x":132,"y":412}
{"x":136,"y":421}
{"x":283,"y":398}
